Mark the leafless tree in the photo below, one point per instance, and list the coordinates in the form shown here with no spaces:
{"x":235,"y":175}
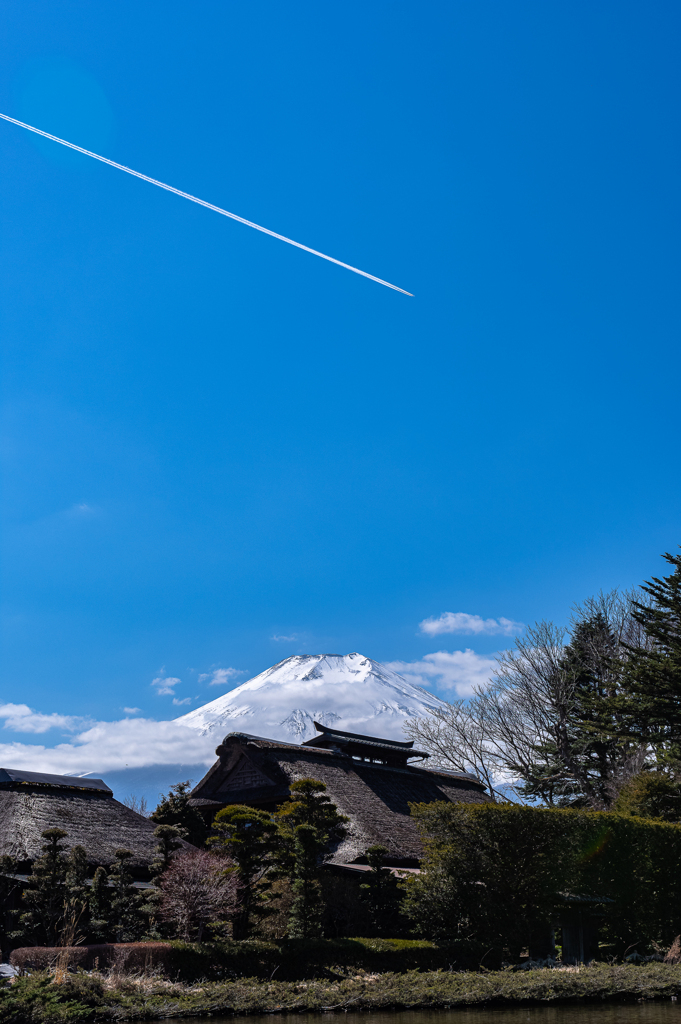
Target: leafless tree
{"x":196,"y":889}
{"x":138,"y":804}
{"x":518,"y":733}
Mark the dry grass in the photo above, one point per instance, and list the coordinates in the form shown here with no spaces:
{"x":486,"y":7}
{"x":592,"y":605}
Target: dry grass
{"x":144,"y":996}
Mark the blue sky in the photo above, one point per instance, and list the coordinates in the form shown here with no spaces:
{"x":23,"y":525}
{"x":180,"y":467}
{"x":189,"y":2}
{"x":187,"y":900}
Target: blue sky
{"x":218,"y":450}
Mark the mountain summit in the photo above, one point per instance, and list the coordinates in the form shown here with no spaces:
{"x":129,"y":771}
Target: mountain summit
{"x":349,"y":691}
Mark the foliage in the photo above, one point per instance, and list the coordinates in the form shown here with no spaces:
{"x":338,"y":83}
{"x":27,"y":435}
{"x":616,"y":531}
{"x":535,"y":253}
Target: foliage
{"x":175,"y":809}
{"x":169,"y":840}
{"x":55,"y":893}
{"x":496,"y":873}
{"x":196,"y":889}
{"x":380,"y":893}
{"x":127,"y":921}
{"x":39,"y":1000}
{"x":9,"y":888}
{"x":653,"y":680}
{"x":653,"y":794}
{"x":99,"y":906}
{"x":307,"y":825}
{"x":248,"y":837}
{"x":549,"y":726}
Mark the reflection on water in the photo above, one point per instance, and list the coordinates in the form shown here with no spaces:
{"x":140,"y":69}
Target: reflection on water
{"x":586,"y":1013}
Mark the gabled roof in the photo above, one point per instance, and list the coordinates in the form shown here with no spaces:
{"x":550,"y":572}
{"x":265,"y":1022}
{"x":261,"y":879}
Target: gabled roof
{"x":11,"y":777}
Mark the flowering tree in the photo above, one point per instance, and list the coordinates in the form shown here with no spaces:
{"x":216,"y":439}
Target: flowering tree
{"x":196,"y":889}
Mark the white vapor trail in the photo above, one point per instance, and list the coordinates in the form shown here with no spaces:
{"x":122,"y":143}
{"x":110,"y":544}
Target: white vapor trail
{"x":202,"y":202}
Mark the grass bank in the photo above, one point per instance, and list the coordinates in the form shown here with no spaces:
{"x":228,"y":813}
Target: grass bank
{"x":91,"y":997}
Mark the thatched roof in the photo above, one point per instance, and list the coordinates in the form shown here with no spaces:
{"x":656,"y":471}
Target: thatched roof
{"x":257,"y":771}
{"x":30,"y":803}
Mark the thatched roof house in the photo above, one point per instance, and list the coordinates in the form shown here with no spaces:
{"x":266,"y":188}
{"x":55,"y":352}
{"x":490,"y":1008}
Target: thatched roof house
{"x":30,"y":803}
{"x":369,"y":779}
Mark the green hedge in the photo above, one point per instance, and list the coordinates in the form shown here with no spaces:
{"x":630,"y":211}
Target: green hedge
{"x":495,"y":874}
{"x":297,"y":959}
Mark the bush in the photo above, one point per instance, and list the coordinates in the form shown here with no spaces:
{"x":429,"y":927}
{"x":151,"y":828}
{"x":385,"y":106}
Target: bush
{"x":298,"y":959}
{"x":124,"y":956}
{"x":497,"y":874}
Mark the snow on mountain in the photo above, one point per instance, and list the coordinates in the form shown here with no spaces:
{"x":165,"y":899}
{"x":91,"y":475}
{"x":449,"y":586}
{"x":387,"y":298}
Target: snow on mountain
{"x":348,"y":691}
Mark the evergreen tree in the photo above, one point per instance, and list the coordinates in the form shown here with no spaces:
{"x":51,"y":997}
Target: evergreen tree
{"x":307,"y":826}
{"x":247,"y":835}
{"x":653,"y":677}
{"x":380,"y":892}
{"x":175,"y":809}
{"x":99,"y":906}
{"x":127,"y":921}
{"x":45,"y":894}
{"x":9,"y":887}
{"x":587,"y":759}
{"x":169,"y":840}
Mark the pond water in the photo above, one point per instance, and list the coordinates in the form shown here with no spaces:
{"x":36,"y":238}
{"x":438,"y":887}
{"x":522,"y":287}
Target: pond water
{"x":663,"y":1012}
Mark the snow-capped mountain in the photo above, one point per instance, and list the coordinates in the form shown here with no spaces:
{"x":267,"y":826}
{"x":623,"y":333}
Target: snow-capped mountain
{"x":349,"y":691}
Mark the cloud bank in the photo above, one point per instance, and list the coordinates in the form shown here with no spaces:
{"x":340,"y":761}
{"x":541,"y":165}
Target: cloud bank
{"x":463,"y":622}
{"x":110,"y":746}
{"x":451,"y":670}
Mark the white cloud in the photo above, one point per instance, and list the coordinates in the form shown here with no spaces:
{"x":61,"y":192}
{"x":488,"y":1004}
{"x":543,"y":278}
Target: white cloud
{"x":221,"y":676}
{"x":21,"y":718}
{"x":178,"y":702}
{"x":456,"y":670}
{"x":132,"y":711}
{"x":165,"y":685}
{"x":463,"y":622}
{"x":285,"y":639}
{"x":110,"y":746}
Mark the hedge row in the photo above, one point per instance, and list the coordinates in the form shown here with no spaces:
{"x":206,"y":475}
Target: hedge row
{"x":294,"y":959}
{"x":500,"y":873}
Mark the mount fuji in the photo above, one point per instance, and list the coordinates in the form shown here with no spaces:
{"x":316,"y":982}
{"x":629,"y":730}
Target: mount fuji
{"x":348,"y":691}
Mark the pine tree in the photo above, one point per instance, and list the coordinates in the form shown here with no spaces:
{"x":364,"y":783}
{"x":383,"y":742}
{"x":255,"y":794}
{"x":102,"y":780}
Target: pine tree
{"x":45,"y":894}
{"x":99,"y":906}
{"x":169,"y":840}
{"x":175,"y":809}
{"x":653,"y":677}
{"x":128,"y":922}
{"x":247,"y":835}
{"x":380,"y":892}
{"x":307,"y":826}
{"x":9,"y":887}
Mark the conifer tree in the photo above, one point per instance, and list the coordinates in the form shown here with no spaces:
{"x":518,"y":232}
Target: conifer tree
{"x":247,"y":835}
{"x":127,"y":920}
{"x":99,"y":906}
{"x":9,"y":887}
{"x":169,"y":839}
{"x":653,"y":677}
{"x":175,"y":809}
{"x":307,"y":826}
{"x":380,"y":892}
{"x":45,"y":894}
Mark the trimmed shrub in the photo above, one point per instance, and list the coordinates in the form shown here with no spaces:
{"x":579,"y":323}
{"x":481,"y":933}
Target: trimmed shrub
{"x":123,"y":956}
{"x":497,"y":874}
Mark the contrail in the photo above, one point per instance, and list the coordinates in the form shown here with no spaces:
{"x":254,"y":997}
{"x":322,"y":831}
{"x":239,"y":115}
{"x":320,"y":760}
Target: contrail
{"x":202,"y":202}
